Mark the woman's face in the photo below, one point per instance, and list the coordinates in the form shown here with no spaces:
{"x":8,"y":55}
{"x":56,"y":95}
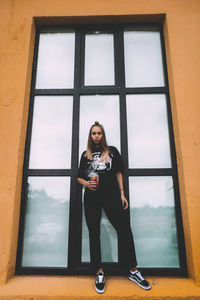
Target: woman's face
{"x":96,"y":135}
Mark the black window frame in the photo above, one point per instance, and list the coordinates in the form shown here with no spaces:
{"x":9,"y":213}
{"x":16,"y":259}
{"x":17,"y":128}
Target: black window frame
{"x":75,"y":267}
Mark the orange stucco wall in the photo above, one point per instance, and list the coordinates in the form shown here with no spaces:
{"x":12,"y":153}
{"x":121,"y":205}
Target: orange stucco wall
{"x":182,"y":39}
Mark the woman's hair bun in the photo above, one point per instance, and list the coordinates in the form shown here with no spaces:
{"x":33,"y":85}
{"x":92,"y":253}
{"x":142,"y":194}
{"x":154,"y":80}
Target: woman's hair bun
{"x":96,"y":123}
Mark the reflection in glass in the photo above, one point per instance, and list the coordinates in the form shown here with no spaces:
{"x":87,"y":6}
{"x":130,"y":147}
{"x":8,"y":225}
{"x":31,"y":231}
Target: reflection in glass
{"x":55,"y":68}
{"x":51,"y":133}
{"x":148,"y":136}
{"x":153,"y":221}
{"x":143,"y":59}
{"x":99,"y":59}
{"x":109,"y":250}
{"x":46,"y":222}
{"x":104,"y":109}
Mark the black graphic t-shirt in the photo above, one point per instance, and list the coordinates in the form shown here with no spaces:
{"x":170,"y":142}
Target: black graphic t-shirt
{"x":106,"y":169}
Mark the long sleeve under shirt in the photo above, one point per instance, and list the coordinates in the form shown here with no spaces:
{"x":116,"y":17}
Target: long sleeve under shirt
{"x":105,"y":169}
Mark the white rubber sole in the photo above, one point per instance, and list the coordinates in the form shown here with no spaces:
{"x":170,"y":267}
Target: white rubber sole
{"x":99,"y":291}
{"x":143,"y":287}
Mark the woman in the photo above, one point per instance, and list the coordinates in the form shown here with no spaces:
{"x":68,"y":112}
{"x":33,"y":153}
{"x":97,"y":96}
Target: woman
{"x":100,"y":172}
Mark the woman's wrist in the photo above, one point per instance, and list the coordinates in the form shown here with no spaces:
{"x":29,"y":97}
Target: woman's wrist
{"x":122,"y":192}
{"x":86,"y":183}
{"x":83,"y":182}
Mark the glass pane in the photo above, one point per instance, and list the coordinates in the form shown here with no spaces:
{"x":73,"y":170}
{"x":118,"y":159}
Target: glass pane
{"x":45,"y":241}
{"x":143,"y":59}
{"x":100,"y":108}
{"x":51,"y":133}
{"x":99,"y":59}
{"x":109,"y":247}
{"x":55,"y":68}
{"x":104,"y":109}
{"x":153,"y":221}
{"x":148,"y":136}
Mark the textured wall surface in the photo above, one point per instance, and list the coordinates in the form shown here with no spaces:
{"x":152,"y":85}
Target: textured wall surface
{"x":182,"y":39}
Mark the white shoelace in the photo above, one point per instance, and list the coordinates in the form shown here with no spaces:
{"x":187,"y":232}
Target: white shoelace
{"x":100,"y":278}
{"x":138,"y":274}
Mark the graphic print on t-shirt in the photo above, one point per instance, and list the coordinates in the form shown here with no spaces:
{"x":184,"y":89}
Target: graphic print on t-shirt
{"x":106,"y":169}
{"x":98,"y":165}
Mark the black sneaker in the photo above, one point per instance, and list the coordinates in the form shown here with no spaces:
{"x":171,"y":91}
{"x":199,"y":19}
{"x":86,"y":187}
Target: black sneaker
{"x":137,"y":278}
{"x":100,"y":283}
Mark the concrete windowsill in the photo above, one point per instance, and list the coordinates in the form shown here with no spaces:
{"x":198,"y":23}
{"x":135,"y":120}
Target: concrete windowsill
{"x":79,"y":287}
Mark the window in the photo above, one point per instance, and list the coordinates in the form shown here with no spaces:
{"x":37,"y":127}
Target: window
{"x":115,"y":74}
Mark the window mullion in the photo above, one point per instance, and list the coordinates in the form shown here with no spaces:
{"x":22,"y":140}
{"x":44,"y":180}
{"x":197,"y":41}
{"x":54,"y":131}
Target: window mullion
{"x":74,"y":252}
{"x":120,"y":67}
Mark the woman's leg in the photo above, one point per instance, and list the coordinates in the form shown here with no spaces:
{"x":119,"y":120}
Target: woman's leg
{"x":119,"y":218}
{"x":93,"y":209}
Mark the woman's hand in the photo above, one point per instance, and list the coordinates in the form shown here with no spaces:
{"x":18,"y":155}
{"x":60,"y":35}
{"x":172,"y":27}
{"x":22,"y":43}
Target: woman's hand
{"x":124,"y":202}
{"x":91,"y":185}
{"x":120,"y":184}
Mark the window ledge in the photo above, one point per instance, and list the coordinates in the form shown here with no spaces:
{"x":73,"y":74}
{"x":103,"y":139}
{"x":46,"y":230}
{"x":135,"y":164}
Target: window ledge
{"x":79,"y":287}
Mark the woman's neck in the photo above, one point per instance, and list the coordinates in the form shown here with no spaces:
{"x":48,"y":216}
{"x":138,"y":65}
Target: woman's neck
{"x":99,"y":147}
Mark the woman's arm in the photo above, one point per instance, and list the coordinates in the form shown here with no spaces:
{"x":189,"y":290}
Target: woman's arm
{"x":83,"y":165}
{"x":89,"y":184}
{"x":121,"y":187}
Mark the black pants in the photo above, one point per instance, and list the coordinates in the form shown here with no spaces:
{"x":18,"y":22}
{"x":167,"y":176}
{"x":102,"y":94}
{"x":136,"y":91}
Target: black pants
{"x":94,"y":201}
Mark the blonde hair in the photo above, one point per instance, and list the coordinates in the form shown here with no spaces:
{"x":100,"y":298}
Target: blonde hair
{"x":104,"y":145}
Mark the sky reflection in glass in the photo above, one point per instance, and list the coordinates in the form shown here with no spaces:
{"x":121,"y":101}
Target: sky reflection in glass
{"x":143,"y":59}
{"x":51,"y":133}
{"x":55,"y":68}
{"x":99,"y":59}
{"x":148,"y":136}
{"x":104,"y":109}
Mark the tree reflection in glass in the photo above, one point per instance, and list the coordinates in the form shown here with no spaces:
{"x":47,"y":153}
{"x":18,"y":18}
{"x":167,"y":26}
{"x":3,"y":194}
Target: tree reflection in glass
{"x":153,"y":221}
{"x":46,"y":222}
